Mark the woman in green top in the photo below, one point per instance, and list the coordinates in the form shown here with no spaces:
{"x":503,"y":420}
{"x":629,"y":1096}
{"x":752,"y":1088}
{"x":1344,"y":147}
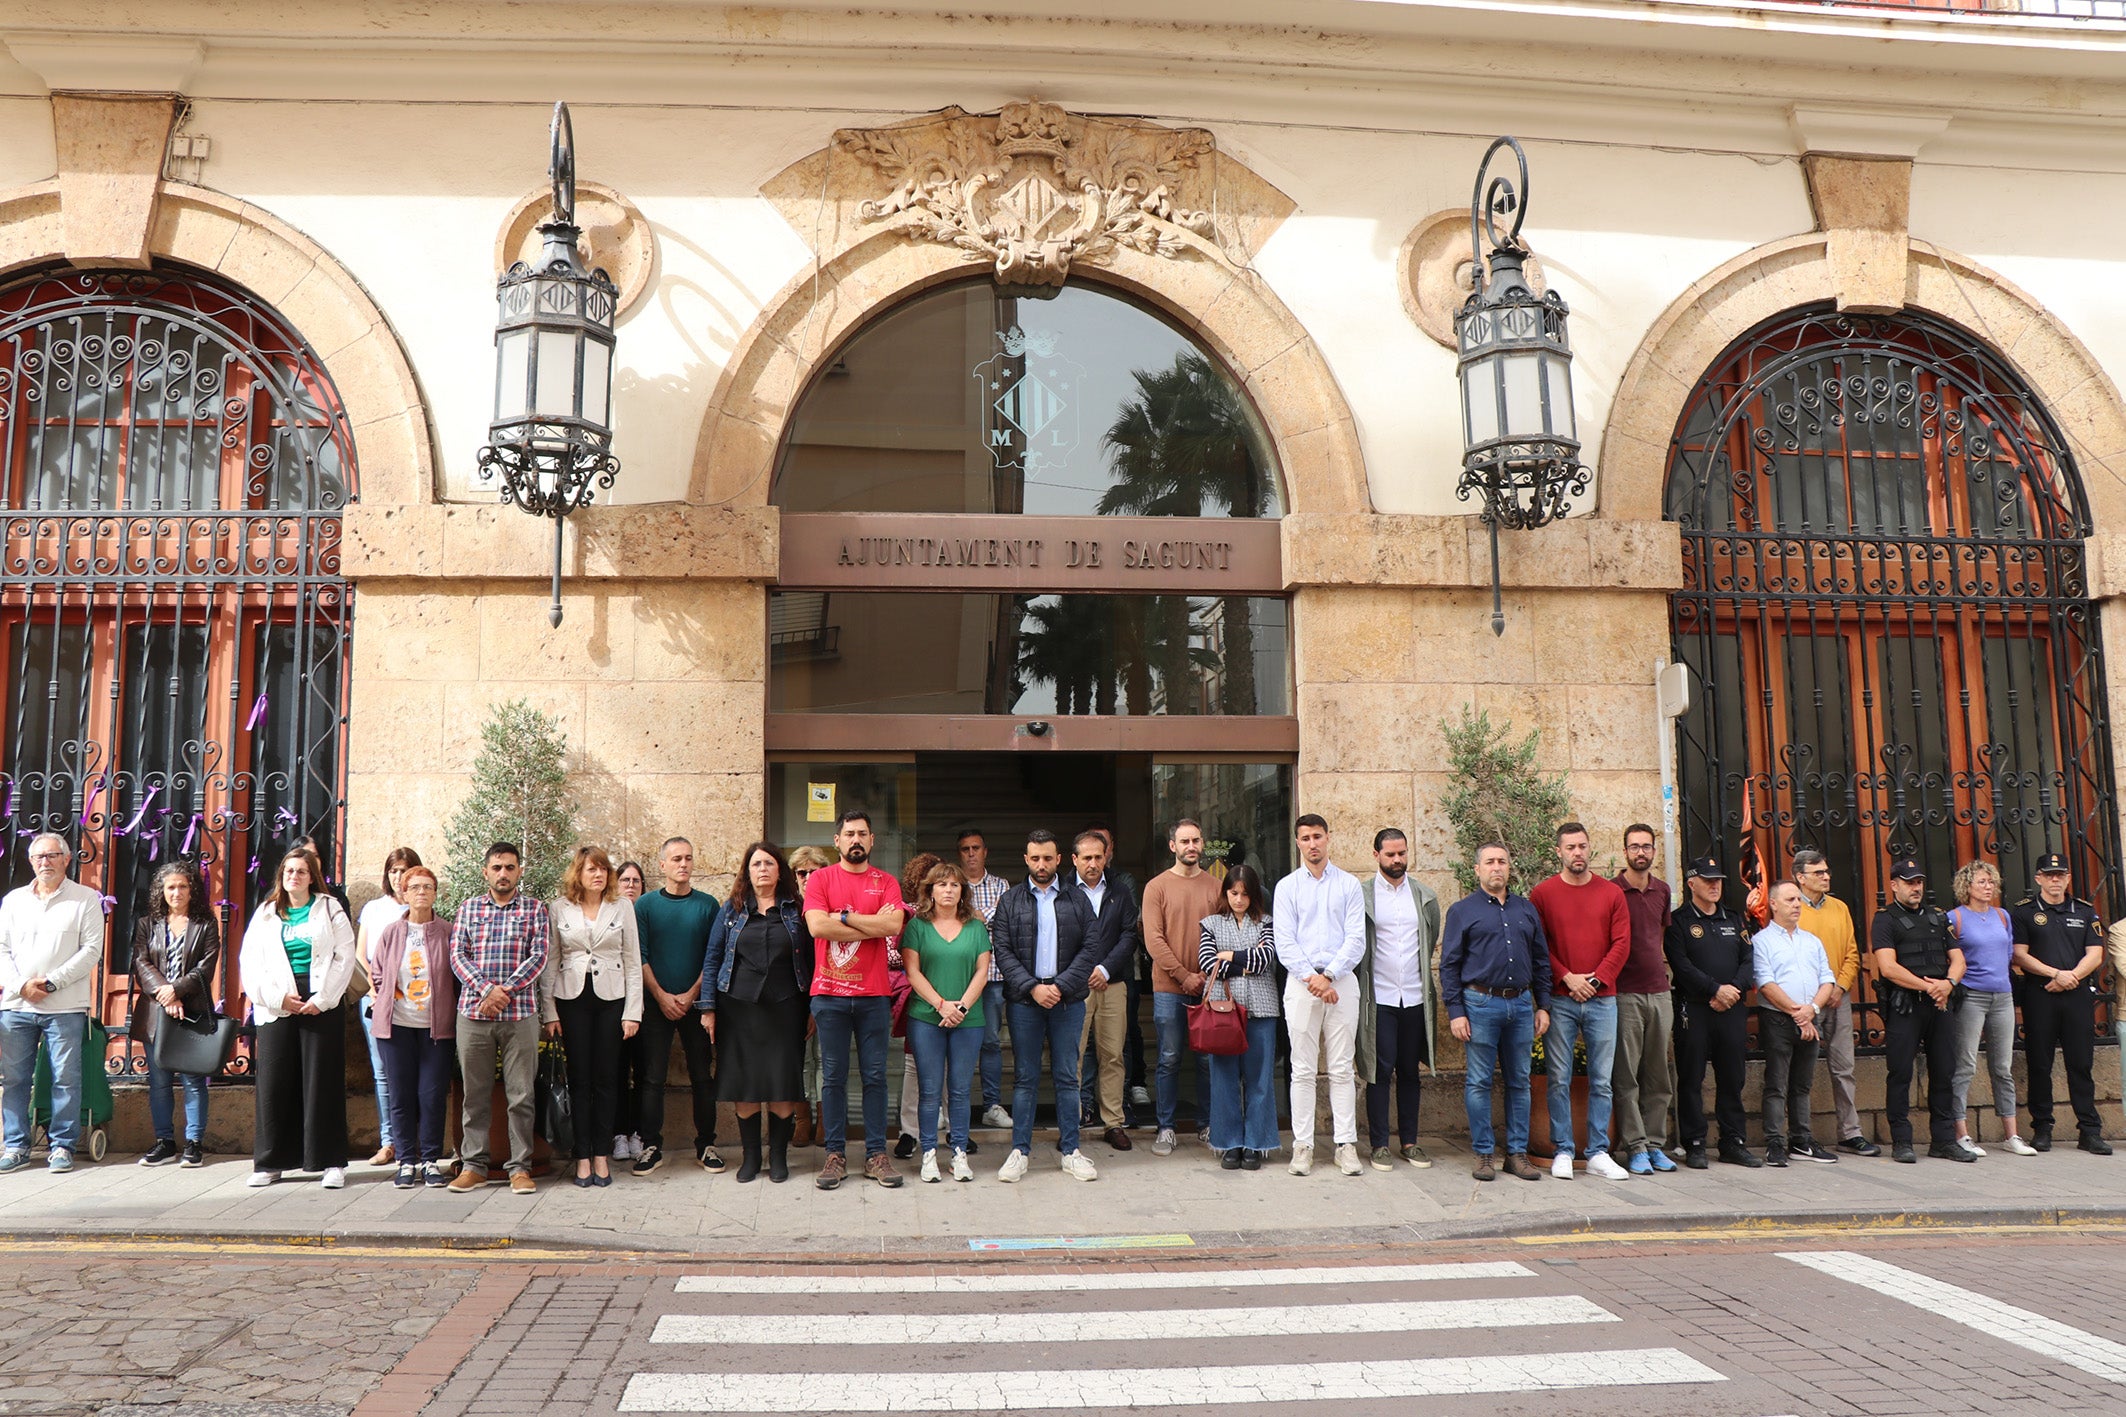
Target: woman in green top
{"x":945,"y":949}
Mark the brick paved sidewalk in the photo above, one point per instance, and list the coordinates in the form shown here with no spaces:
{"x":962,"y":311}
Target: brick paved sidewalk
{"x":683,"y":1208}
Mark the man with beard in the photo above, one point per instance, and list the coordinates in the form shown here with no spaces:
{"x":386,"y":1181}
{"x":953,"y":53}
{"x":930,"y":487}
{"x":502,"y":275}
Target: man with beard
{"x":1043,"y":936}
{"x":1395,"y":1007}
{"x":1645,"y":1013}
{"x":1588,"y":927}
{"x":1175,"y":905}
{"x":851,"y":911}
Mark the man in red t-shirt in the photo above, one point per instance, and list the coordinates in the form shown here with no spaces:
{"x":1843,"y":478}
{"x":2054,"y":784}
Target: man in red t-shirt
{"x":1588,"y":926}
{"x":851,"y":910}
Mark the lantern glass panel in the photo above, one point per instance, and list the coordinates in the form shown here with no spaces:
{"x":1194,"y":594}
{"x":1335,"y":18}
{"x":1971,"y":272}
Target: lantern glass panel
{"x":556,"y":393}
{"x":1522,"y":375}
{"x":512,"y":353}
{"x":1480,"y":402}
{"x":1557,"y":384}
{"x":597,"y":382}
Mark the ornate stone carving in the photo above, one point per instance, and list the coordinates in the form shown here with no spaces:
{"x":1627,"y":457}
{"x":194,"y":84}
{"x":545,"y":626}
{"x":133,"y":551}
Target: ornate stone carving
{"x":1032,"y":189}
{"x":616,"y":237}
{"x":1432,"y":272}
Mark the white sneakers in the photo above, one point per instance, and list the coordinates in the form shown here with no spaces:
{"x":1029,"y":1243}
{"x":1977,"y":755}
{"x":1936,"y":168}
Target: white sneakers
{"x":961,"y":1171}
{"x":930,"y":1167}
{"x":996,"y":1117}
{"x":1078,"y":1168}
{"x":627,"y":1148}
{"x":261,"y":1178}
{"x":1302,"y":1160}
{"x":2019,"y":1147}
{"x":1347,"y":1160}
{"x":1604,"y":1165}
{"x":1561,"y":1166}
{"x":335,"y":1178}
{"x":1970,"y":1146}
{"x":1164,"y":1143}
{"x":1014,"y":1167}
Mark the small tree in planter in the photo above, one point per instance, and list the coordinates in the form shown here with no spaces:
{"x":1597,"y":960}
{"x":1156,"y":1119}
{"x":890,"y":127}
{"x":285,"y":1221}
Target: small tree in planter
{"x":520,"y":794}
{"x":1500,"y":795}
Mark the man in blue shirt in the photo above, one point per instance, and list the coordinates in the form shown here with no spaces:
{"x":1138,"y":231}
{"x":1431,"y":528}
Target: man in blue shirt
{"x":1794,"y":982}
{"x":1042,"y":937}
{"x":1494,"y":975}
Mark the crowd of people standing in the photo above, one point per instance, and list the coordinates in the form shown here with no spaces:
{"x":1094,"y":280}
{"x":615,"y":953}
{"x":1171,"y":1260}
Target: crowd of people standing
{"x":822,"y":959}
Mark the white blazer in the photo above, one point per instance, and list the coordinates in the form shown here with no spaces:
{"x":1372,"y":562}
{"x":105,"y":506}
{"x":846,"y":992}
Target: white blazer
{"x":603,"y":951}
{"x":263,"y":960}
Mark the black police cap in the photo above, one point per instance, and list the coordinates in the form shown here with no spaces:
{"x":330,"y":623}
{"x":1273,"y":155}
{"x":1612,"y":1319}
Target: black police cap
{"x":1705,"y":868}
{"x":1907,"y":869}
{"x":2051,"y":861}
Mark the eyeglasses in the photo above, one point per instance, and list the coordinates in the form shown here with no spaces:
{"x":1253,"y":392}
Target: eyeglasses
{"x":48,"y":855}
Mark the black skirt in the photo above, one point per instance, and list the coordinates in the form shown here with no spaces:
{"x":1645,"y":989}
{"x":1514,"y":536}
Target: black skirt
{"x":760,"y":1049}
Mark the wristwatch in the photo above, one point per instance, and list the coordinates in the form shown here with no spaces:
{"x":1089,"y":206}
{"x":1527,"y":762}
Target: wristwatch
{"x":845,"y":917}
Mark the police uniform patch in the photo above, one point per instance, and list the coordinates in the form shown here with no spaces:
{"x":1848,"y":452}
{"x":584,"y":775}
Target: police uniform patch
{"x":1697,"y":932}
{"x":2038,"y":918}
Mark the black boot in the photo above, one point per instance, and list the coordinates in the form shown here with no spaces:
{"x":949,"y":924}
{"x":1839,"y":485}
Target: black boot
{"x":749,"y":1147}
{"x":780,"y":1130}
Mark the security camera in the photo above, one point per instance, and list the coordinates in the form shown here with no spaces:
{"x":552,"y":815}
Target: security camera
{"x":1038,"y":728}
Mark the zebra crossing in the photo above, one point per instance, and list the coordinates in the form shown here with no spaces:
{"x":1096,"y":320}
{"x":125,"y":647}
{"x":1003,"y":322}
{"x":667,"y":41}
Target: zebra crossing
{"x":1091,"y":1339}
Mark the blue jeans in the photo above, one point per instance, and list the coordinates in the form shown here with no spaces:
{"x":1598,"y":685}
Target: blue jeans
{"x":870,"y":1021}
{"x":1595,"y":1021}
{"x":387,"y":1133}
{"x":1244,"y":1093}
{"x":993,"y":1044}
{"x":1500,"y":1031}
{"x":161,"y":1112}
{"x":1062,"y":1029}
{"x":945,"y":1060}
{"x":1170,"y":1018}
{"x":421,"y":1066}
{"x":63,"y":1036}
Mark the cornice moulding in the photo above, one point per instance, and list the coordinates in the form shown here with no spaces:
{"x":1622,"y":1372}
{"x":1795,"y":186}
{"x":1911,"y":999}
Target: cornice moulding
{"x":107,"y":63}
{"x":1867,"y":132}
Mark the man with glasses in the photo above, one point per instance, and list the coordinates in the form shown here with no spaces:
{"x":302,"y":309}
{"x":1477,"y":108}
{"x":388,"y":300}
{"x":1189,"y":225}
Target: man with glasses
{"x":51,"y":938}
{"x":1825,"y":916}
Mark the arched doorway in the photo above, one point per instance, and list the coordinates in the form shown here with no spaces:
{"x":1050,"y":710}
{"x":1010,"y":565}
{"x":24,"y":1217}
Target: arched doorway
{"x":1886,"y":610}
{"x":1030,"y":577}
{"x":174,"y":462}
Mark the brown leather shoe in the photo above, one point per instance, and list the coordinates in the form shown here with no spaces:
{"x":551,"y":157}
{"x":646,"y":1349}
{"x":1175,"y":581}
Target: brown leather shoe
{"x":467,"y":1180}
{"x":1485,"y":1171}
{"x":802,"y":1118}
{"x":830,"y":1175}
{"x":1118,"y":1139}
{"x":521,"y":1183}
{"x":1520,"y":1166}
{"x":880,"y":1169}
{"x":384,"y":1156}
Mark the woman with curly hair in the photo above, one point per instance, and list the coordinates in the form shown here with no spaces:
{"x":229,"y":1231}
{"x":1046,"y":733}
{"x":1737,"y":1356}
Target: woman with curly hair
{"x":176,"y":948}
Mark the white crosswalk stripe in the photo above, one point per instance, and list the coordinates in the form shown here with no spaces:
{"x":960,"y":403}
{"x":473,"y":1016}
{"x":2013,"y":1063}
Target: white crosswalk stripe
{"x":1365,"y":1345}
{"x":1141,"y":1326}
{"x":1015,"y":1281}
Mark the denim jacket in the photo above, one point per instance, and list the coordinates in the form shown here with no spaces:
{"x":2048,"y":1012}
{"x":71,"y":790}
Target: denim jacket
{"x":722,"y":956}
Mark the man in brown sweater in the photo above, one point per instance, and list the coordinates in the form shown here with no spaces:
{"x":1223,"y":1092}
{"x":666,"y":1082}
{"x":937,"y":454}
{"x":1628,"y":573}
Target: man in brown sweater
{"x":1175,"y":904}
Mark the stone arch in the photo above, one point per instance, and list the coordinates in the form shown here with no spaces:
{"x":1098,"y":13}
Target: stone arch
{"x":1233,"y":312}
{"x":327,"y":306}
{"x":1691,"y":334}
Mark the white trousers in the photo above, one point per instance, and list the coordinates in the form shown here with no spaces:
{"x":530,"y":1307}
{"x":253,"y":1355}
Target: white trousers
{"x":1320,"y":1029}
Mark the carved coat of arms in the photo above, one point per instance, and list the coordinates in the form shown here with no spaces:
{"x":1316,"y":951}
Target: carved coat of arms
{"x":1036,"y":188}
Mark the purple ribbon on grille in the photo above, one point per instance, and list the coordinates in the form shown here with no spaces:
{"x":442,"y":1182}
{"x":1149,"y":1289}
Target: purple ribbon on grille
{"x":258,"y":712}
{"x":190,"y":832}
{"x":10,"y":799}
{"x":88,"y":803}
{"x":140,"y":816}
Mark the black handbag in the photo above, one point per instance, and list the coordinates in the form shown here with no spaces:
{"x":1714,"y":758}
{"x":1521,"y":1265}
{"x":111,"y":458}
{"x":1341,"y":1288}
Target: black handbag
{"x":555,"y":1109}
{"x":201,"y":1046}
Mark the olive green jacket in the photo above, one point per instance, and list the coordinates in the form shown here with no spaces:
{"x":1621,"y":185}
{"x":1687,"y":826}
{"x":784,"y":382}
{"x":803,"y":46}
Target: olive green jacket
{"x":1427,"y":947}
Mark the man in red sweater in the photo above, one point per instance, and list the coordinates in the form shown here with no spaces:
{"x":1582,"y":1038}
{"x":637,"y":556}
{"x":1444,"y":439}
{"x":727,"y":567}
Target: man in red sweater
{"x":1588,"y":925}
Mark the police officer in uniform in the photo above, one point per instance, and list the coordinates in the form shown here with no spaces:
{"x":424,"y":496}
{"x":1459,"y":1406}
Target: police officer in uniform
{"x":2059,"y":947}
{"x":1919,"y":968}
{"x":1708,"y":950}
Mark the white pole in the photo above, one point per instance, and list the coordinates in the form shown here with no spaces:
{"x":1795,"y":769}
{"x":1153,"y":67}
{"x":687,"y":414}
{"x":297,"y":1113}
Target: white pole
{"x":1665,"y":741}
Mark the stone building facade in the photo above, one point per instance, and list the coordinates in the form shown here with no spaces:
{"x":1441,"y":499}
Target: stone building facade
{"x":769,"y":185}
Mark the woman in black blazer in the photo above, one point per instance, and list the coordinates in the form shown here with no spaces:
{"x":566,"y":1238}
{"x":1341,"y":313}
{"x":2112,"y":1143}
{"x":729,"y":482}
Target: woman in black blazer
{"x":176,"y":949}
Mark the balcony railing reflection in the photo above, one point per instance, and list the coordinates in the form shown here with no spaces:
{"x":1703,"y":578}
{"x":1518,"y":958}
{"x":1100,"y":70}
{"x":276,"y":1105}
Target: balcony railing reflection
{"x":2052,"y":9}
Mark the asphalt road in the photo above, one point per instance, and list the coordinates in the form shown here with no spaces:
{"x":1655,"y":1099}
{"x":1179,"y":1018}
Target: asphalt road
{"x":1752,"y":1324}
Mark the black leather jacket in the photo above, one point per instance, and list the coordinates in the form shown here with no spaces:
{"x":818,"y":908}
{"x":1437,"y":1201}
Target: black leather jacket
{"x":1012,"y":933}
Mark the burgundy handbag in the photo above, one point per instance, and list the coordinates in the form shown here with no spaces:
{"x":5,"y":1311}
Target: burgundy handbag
{"x":1218,"y":1027}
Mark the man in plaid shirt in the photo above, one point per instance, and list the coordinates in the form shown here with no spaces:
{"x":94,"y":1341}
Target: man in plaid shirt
{"x":984,"y":890}
{"x":498,"y":951}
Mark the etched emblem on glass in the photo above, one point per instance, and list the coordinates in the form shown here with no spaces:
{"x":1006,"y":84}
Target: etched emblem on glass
{"x":1030,"y":420}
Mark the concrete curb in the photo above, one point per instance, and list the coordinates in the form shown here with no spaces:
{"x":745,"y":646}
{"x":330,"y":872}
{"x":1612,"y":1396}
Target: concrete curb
{"x":535,"y":1243}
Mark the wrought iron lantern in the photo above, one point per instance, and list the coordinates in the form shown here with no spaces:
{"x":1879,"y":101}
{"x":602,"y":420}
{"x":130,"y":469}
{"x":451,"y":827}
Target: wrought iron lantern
{"x":551,"y":437}
{"x":1521,"y":449}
